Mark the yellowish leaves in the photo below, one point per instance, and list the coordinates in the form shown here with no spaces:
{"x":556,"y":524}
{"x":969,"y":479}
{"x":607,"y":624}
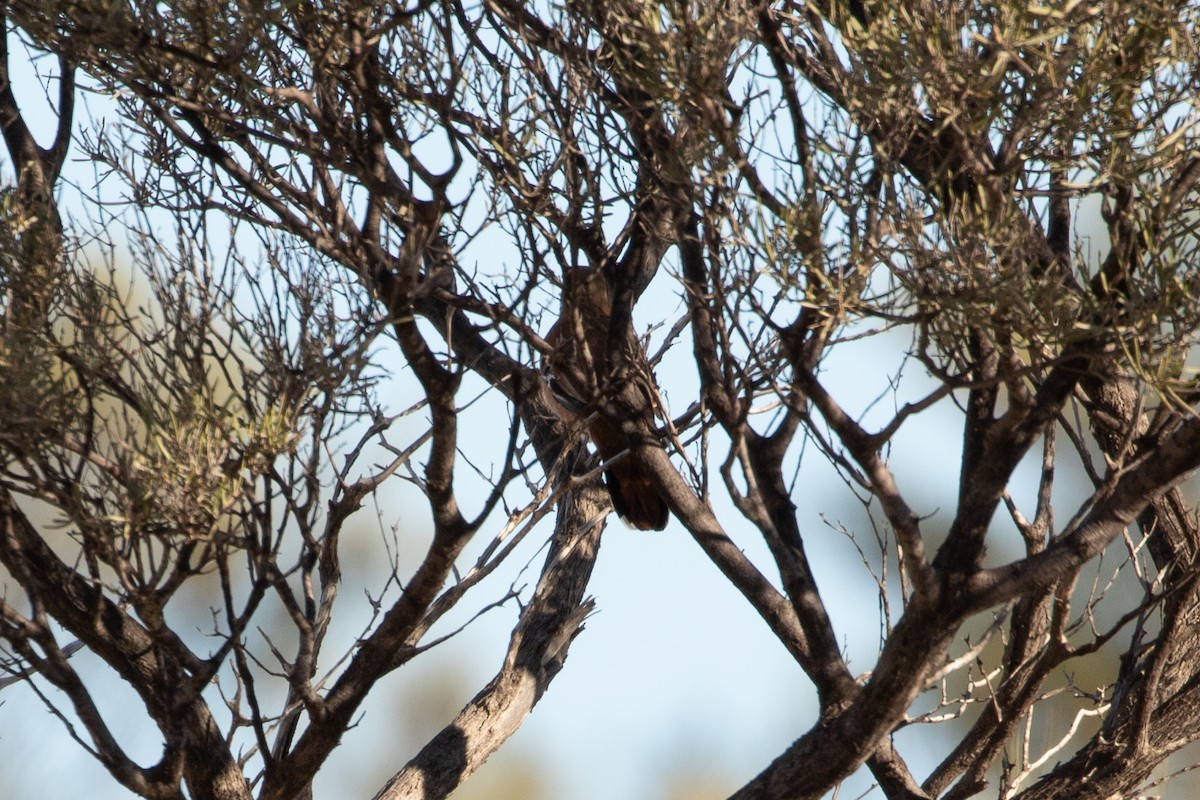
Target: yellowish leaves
{"x":199,"y":463}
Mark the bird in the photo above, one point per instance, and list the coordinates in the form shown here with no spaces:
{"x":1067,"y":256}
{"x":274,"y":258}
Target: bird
{"x":580,"y":378}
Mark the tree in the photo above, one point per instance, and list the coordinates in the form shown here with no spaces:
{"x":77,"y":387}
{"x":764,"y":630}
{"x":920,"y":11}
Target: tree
{"x":806,"y":177}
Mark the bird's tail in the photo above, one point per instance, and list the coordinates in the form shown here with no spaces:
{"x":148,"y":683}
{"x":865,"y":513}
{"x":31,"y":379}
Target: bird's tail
{"x":635,"y":497}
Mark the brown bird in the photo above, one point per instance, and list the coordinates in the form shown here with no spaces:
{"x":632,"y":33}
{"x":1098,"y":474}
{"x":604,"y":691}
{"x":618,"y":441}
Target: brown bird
{"x":579,"y":376}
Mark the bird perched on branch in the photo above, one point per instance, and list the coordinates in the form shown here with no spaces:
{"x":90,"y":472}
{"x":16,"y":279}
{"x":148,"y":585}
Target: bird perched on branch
{"x":582,"y":380}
